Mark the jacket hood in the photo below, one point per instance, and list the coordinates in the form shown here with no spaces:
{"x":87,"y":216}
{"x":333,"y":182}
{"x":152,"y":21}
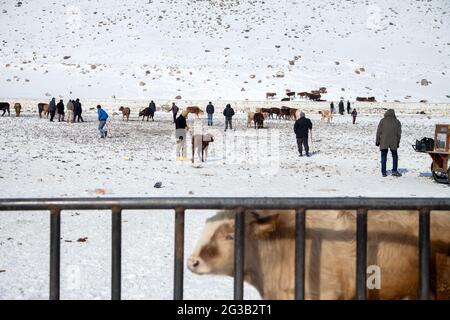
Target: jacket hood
{"x":389,"y":113}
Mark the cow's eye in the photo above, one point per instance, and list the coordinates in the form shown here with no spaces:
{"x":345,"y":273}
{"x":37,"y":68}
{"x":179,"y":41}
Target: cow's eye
{"x":229,"y":237}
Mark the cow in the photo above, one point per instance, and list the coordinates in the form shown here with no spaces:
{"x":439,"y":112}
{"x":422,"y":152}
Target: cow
{"x":195,"y":110}
{"x":146,"y":113}
{"x":323,"y":90}
{"x":366,"y":99}
{"x":276,"y":111}
{"x":17,"y":108}
{"x":326,"y":115}
{"x":313,"y":96}
{"x":200,"y":142}
{"x":302,"y":94}
{"x":284,"y":113}
{"x":43,"y":108}
{"x":330,"y":253}
{"x":293,"y":113}
{"x":291,"y":95}
{"x":315,"y":91}
{"x":250,"y":117}
{"x":5,"y":107}
{"x":285,"y":99}
{"x":258,"y":119}
{"x":270,"y":95}
{"x":125,"y":112}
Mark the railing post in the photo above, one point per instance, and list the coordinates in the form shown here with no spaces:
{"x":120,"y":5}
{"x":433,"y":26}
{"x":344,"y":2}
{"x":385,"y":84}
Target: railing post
{"x":239,"y":247}
{"x":116,"y":252}
{"x":361,"y":253}
{"x":178,"y":255}
{"x":300,"y":254}
{"x":424,"y":254}
{"x":55,"y":251}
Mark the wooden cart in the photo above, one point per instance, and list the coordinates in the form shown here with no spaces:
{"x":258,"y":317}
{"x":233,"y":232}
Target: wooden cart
{"x":441,"y":153}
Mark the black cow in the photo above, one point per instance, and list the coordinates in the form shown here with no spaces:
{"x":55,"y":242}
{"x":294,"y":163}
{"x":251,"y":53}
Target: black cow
{"x":259,"y":120}
{"x":5,"y":107}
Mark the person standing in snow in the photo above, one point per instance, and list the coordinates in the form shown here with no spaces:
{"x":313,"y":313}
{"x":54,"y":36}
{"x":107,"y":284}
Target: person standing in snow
{"x":102,"y":117}
{"x":174,"y":110}
{"x":70,"y":111}
{"x":210,"y":112}
{"x":52,"y":109}
{"x":354,"y":114}
{"x":152,"y":109}
{"x":332,"y":107}
{"x":228,"y":113}
{"x":181,"y":129}
{"x":388,"y":136}
{"x":348,"y":107}
{"x":341,"y":107}
{"x":60,"y":108}
{"x":78,"y":110}
{"x":301,"y":128}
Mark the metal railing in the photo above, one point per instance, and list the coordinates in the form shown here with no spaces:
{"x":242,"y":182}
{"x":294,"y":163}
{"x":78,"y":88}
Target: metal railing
{"x":179,"y":205}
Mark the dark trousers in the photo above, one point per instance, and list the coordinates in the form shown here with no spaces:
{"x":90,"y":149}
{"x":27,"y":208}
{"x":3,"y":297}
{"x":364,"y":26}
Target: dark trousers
{"x":228,"y":121}
{"x":354,"y":119}
{"x":384,"y":153}
{"x":78,"y":117}
{"x":52,"y":115}
{"x":303,"y":142}
{"x":174,"y":117}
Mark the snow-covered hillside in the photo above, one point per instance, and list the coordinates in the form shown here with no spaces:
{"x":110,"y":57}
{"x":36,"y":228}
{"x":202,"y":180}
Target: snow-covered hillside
{"x":228,"y":49}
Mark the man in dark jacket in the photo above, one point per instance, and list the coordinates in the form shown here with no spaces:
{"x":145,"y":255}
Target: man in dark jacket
{"x":228,"y":113}
{"x":210,"y":112}
{"x":341,"y":107}
{"x":348,"y":107}
{"x":174,"y":110}
{"x":152,"y":109}
{"x":77,"y":111}
{"x":332,"y":107}
{"x":388,"y":136}
{"x":354,"y":114}
{"x":301,"y":128}
{"x":52,"y":109}
{"x":60,"y":109}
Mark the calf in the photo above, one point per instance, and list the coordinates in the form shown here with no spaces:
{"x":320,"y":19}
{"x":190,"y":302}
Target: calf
{"x":17,"y":108}
{"x":145,"y":113}
{"x":125,"y":112}
{"x":43,"y":108}
{"x":195,"y":110}
{"x":258,"y":119}
{"x":200,"y":142}
{"x":5,"y":107}
{"x":326,"y":115}
{"x":250,"y":118}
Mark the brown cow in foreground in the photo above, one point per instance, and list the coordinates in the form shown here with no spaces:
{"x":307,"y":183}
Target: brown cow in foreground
{"x":195,"y":110}
{"x":330,"y":253}
{"x":200,"y":142}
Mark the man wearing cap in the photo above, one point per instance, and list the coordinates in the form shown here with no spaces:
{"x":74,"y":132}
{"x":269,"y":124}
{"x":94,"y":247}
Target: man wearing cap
{"x":301,"y":128}
{"x":181,"y":128}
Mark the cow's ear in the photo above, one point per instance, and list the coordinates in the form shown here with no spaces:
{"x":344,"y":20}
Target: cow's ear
{"x":263,"y":225}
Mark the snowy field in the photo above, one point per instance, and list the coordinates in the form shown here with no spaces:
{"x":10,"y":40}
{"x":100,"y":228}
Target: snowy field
{"x":225,"y":49}
{"x":44,"y":159}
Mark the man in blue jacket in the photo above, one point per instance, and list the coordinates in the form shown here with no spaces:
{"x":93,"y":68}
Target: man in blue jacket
{"x":102,"y":117}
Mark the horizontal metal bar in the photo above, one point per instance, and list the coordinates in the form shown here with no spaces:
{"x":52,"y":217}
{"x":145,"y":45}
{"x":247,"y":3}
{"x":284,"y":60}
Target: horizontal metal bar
{"x":226,"y":203}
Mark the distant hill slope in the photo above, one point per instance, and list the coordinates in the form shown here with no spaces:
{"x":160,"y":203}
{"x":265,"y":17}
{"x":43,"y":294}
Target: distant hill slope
{"x":229,"y":49}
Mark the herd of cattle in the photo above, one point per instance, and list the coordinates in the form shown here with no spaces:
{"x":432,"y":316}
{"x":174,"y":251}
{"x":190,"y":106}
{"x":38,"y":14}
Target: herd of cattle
{"x":257,"y":118}
{"x":313,"y":95}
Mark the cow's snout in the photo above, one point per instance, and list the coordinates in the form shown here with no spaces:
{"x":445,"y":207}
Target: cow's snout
{"x":193,"y":264}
